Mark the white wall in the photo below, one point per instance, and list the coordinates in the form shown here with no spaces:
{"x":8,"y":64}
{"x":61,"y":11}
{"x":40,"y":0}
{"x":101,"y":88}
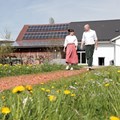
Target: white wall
{"x":117,"y":52}
{"x":104,"y":50}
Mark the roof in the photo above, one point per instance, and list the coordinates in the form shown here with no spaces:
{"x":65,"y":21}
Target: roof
{"x":46,"y":35}
{"x":54,"y":34}
{"x":38,"y":43}
{"x":116,"y":38}
{"x":5,"y":40}
{"x":105,"y":29}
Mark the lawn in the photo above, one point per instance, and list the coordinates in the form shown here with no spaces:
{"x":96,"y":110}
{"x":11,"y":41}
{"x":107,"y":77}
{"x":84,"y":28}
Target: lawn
{"x":8,"y":70}
{"x":93,"y":95}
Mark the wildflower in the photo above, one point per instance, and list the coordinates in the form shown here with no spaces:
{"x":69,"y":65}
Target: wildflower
{"x":29,"y":87}
{"x":43,"y":89}
{"x":58,"y":91}
{"x":18,"y":89}
{"x":3,"y":97}
{"x":5,"y":110}
{"x":47,"y":90}
{"x":52,"y":98}
{"x":52,"y":87}
{"x":66,"y":92}
{"x":107,"y":84}
{"x":118,"y":71}
{"x":114,"y":118}
{"x":73,"y":95}
{"x":42,"y":83}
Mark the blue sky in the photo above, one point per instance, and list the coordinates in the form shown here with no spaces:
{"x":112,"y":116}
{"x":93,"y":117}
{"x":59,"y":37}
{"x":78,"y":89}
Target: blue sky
{"x":14,"y":14}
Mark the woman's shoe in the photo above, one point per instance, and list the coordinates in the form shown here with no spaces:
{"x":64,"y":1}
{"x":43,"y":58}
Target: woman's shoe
{"x":71,"y":68}
{"x":67,"y":67}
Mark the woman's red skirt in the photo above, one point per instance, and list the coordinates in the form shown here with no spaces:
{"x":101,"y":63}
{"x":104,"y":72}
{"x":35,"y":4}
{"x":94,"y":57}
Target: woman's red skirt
{"x":71,"y":54}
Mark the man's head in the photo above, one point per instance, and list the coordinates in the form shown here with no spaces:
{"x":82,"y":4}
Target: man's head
{"x":87,"y":27}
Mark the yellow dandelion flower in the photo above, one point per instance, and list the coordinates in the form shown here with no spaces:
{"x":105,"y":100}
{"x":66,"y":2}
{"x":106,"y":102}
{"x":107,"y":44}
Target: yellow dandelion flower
{"x":48,"y":91}
{"x":107,"y":84}
{"x":3,"y":97}
{"x":31,"y":92}
{"x":18,"y":89}
{"x":73,"y":95}
{"x":118,"y":71}
{"x":58,"y":91}
{"x":52,"y":87}
{"x":5,"y":110}
{"x":42,"y":83}
{"x":29,"y":87}
{"x":43,"y":89}
{"x":114,"y":118}
{"x":52,"y":98}
{"x":66,"y":92}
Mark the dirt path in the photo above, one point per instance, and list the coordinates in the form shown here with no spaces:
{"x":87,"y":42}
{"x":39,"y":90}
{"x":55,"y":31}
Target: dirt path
{"x":10,"y":82}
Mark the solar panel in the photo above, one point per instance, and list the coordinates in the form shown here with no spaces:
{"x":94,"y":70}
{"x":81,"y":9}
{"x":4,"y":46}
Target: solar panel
{"x":45,"y":35}
{"x":48,"y":28}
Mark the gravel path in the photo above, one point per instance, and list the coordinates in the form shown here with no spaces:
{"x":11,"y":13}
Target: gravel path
{"x":34,"y":79}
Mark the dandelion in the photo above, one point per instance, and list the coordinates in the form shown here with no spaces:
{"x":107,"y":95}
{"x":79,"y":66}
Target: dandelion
{"x":58,"y":91}
{"x":18,"y":89}
{"x":73,"y":95}
{"x":52,"y":98}
{"x":114,"y":118}
{"x":3,"y":97}
{"x":52,"y":87}
{"x":47,"y":90}
{"x":29,"y":87}
{"x":42,"y":83}
{"x":107,"y":84}
{"x":43,"y":89}
{"x":5,"y":110}
{"x":66,"y":92}
{"x":118,"y":71}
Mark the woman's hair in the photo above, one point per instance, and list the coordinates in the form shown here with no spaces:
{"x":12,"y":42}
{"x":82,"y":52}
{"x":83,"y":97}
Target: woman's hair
{"x":70,"y":30}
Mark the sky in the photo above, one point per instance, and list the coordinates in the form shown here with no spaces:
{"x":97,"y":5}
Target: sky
{"x":14,"y":14}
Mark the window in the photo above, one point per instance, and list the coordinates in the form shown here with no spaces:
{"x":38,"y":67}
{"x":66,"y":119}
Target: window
{"x":81,"y":57}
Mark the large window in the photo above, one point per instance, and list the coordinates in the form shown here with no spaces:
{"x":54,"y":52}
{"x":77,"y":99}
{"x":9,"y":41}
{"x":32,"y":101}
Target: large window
{"x":82,"y":57}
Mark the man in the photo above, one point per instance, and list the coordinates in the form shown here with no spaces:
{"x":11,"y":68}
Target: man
{"x":90,"y":40}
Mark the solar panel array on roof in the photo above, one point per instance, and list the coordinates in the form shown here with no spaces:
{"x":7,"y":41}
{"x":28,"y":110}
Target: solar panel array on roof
{"x":44,"y":35}
{"x":41,"y":28}
{"x":41,"y":32}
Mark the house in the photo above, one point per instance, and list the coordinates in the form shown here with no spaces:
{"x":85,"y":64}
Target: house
{"x":106,"y":30}
{"x":47,"y":40}
{"x":5,"y":41}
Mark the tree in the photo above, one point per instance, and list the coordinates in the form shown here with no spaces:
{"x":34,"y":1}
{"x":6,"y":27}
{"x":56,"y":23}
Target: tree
{"x":6,"y":48}
{"x":51,"y":21}
{"x":6,"y":34}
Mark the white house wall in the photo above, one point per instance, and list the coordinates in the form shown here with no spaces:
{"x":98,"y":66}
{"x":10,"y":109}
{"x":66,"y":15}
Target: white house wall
{"x":105,"y":50}
{"x":117,"y":53}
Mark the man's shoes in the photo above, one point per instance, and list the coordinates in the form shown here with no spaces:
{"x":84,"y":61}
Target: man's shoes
{"x":89,"y":69}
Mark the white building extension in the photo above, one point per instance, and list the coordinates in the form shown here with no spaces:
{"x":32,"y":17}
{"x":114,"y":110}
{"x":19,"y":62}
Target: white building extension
{"x":116,"y":42}
{"x":104,"y":55}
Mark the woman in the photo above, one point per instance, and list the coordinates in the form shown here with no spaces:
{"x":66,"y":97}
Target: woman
{"x":70,"y":47}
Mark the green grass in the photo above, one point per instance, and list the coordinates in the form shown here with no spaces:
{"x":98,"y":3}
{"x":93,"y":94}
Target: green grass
{"x":7,"y":70}
{"x":97,"y":97}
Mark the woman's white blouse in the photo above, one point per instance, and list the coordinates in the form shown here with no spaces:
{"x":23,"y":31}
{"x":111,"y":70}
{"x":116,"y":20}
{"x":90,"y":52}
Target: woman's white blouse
{"x":71,"y":39}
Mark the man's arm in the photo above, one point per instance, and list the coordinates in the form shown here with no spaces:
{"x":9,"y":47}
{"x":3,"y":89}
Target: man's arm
{"x":96,"y":41}
{"x":96,"y":44}
{"x":82,"y":41}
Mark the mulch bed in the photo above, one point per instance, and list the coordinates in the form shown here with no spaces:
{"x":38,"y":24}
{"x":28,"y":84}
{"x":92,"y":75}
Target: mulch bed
{"x":34,"y":79}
